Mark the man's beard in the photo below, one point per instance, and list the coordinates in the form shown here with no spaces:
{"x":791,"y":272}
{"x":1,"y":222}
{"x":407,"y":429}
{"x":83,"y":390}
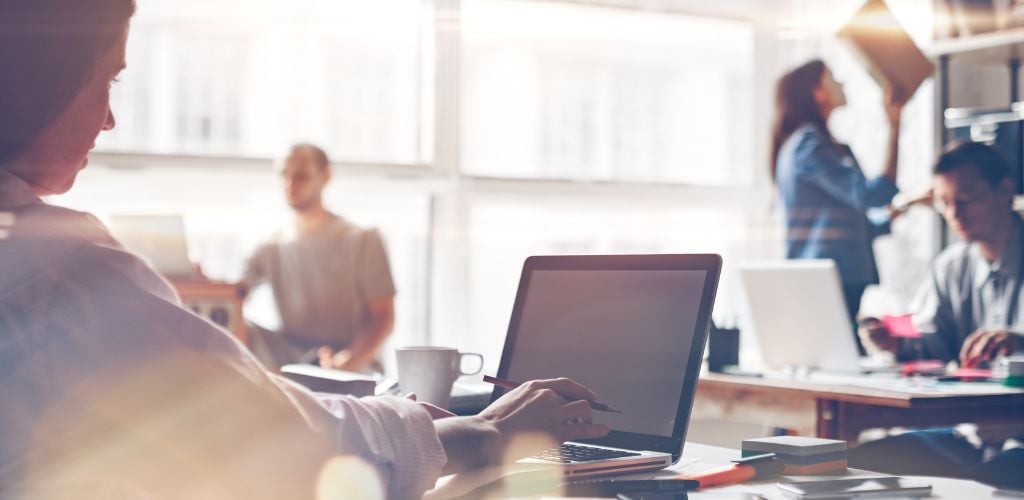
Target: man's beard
{"x":304,"y":204}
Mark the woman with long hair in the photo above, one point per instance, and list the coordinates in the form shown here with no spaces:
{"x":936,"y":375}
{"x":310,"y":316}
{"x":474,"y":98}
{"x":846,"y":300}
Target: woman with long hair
{"x":824,"y":193}
{"x":109,"y":389}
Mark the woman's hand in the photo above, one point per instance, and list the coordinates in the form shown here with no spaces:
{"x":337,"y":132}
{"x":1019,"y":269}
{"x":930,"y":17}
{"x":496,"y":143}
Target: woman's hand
{"x":556,"y":408}
{"x":559,"y":408}
{"x":895,"y":100}
{"x":924,"y":198}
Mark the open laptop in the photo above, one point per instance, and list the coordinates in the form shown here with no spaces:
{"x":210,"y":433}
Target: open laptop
{"x":799,"y":316}
{"x":630,"y":327}
{"x":160,"y":239}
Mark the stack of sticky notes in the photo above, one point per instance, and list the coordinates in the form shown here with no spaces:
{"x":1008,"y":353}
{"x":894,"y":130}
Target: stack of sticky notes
{"x":802,"y":455}
{"x":1010,"y":370}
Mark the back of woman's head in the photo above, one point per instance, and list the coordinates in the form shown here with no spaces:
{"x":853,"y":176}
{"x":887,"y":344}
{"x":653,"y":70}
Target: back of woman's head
{"x":48,"y":52}
{"x":795,"y":105}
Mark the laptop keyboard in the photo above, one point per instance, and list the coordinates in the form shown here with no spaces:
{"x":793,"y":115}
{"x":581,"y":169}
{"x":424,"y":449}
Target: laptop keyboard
{"x":570,"y":453}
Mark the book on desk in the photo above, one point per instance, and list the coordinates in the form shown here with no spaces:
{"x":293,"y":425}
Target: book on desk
{"x":329,"y":380}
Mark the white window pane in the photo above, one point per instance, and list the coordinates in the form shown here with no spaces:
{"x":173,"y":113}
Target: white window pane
{"x":247,"y":78}
{"x":553,"y":90}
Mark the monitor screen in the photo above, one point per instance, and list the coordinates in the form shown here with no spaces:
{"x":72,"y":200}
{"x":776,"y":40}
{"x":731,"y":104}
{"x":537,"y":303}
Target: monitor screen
{"x":625,"y":334}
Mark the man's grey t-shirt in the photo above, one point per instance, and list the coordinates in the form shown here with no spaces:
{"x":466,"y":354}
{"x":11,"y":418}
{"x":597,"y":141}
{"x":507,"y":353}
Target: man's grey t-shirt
{"x":323,"y":282}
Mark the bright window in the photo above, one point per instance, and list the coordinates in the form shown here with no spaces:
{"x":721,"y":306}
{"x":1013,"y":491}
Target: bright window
{"x":553,"y":90}
{"x":247,"y":78}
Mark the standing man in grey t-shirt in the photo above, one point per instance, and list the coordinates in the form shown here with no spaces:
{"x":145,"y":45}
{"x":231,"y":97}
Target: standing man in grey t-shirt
{"x":330,"y":278}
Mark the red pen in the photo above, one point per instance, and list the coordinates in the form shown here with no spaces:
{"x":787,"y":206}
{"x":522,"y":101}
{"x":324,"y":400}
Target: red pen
{"x":508,"y":384}
{"x":740,"y":471}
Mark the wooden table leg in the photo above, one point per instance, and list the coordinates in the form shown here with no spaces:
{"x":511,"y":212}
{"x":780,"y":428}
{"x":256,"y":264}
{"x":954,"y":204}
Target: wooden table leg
{"x":828,"y":419}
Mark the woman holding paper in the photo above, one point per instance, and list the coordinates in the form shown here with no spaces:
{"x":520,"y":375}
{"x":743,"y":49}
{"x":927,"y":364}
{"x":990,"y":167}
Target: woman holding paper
{"x":826,"y":197}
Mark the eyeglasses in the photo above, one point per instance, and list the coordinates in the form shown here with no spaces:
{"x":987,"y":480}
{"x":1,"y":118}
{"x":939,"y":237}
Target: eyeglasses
{"x":943,"y":206}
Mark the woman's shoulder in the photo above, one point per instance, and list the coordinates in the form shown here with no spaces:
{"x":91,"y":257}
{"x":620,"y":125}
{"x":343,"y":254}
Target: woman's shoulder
{"x":65,"y":244}
{"x":808,"y":135}
{"x":809,"y":147}
{"x":50,"y":222}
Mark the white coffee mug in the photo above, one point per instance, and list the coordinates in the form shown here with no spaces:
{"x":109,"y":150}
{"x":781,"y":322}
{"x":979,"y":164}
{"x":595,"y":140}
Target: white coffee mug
{"x":430,"y":372}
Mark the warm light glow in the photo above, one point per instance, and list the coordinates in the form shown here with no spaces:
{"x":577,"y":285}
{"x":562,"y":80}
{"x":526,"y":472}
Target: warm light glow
{"x":547,"y":478}
{"x":348,"y":478}
{"x":822,"y":20}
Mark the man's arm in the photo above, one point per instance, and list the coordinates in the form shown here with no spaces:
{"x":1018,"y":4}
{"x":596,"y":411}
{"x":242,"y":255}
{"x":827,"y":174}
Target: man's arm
{"x":374,"y":282}
{"x":367,"y":342}
{"x":254,"y":273}
{"x":935,"y":318}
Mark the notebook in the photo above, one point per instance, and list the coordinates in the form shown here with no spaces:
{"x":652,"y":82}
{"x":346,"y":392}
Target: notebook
{"x":630,"y":327}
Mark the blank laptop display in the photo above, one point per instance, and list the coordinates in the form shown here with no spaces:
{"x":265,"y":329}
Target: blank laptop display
{"x":631,"y":328}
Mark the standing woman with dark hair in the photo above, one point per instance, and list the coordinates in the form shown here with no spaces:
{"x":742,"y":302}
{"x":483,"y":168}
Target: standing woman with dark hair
{"x":109,"y":389}
{"x":824,"y":193}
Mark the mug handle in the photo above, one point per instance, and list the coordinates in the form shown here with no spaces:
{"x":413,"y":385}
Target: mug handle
{"x":479,"y":357}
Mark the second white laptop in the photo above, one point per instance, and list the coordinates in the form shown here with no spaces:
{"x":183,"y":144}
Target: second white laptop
{"x":799,"y":316}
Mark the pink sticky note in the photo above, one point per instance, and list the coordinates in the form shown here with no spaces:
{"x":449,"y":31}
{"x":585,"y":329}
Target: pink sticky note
{"x":973,"y":373}
{"x":923,"y":367}
{"x":901,"y":326}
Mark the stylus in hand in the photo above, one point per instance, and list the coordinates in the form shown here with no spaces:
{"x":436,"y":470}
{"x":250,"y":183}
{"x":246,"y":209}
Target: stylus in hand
{"x":512,"y":385}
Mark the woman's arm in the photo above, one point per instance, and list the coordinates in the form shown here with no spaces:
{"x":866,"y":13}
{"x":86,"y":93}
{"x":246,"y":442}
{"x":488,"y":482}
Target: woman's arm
{"x":894,"y":102}
{"x":819,"y":162}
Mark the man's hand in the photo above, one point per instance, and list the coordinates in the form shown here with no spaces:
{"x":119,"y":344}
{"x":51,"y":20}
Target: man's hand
{"x":876,"y":337}
{"x":984,"y":345}
{"x":367,"y":343}
{"x":329,"y":358}
{"x":558,"y":408}
{"x":338,"y":360}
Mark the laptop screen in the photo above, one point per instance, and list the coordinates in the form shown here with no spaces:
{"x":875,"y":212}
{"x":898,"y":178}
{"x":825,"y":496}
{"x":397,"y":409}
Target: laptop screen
{"x":626,"y":334}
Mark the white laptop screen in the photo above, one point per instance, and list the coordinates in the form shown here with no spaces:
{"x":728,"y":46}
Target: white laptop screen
{"x":626,"y":334}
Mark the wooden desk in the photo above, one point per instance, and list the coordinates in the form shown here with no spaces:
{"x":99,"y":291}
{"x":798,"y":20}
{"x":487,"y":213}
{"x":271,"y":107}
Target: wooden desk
{"x":698,"y":458}
{"x":221,"y":303}
{"x":836,"y":410}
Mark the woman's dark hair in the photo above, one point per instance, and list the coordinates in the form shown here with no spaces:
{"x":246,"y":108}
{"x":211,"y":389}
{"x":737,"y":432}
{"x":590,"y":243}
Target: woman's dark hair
{"x":49,"y":50}
{"x":795,"y":105}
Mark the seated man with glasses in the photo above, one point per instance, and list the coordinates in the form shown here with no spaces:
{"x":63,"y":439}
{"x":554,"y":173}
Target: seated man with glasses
{"x":969,"y":310}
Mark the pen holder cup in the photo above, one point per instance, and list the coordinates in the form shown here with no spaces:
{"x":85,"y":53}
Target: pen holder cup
{"x":723,"y":348}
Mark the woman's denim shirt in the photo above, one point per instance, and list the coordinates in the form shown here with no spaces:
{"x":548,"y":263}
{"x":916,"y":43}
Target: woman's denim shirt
{"x":827,"y":200}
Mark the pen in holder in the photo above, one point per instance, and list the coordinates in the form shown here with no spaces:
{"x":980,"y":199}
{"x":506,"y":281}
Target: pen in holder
{"x":723,"y":348}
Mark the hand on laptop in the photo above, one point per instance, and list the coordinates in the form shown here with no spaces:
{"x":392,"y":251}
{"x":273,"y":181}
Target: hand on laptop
{"x":876,"y":337}
{"x":558,"y":408}
{"x":984,"y":345}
